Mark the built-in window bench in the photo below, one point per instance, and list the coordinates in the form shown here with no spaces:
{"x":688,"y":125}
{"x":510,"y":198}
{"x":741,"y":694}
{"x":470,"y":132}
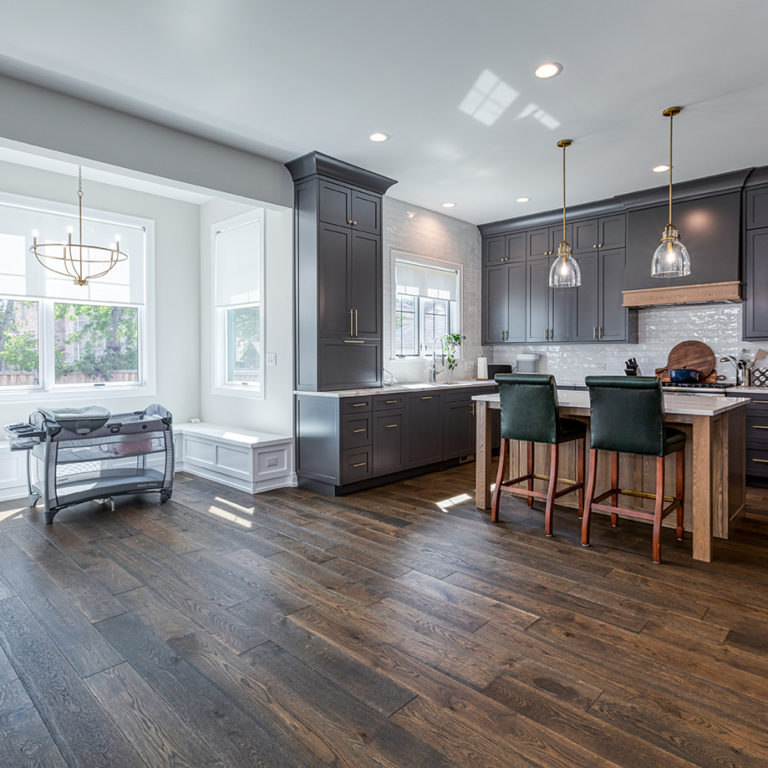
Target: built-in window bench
{"x":249,"y":461}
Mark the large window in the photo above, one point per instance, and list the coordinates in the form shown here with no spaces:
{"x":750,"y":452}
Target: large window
{"x":55,"y":335}
{"x":238,"y":266}
{"x":426,"y":306}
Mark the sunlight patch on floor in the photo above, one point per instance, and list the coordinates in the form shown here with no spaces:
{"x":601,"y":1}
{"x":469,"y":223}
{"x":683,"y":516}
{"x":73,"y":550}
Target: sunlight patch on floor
{"x":11,"y":514}
{"x":231,"y":516}
{"x":242,"y":510}
{"x":445,"y":504}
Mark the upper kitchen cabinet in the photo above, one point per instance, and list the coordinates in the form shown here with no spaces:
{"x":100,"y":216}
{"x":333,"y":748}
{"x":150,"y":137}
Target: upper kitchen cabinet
{"x":755,"y":259}
{"x":590,"y":235}
{"x":544,"y":241}
{"x":338,"y":273}
{"x":504,"y":304}
{"x":505,"y":249}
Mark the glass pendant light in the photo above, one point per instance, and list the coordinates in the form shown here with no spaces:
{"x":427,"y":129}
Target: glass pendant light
{"x":671,"y":258}
{"x":564,"y":272}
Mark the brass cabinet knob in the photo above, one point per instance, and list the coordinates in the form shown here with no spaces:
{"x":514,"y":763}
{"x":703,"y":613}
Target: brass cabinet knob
{"x":595,"y":245}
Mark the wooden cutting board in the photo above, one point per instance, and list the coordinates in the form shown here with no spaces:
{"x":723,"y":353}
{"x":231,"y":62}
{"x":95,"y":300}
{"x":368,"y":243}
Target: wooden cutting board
{"x":695,"y":355}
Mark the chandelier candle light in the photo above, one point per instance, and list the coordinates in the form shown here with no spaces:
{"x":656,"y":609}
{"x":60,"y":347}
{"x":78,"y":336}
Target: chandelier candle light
{"x":564,"y":272}
{"x":671,"y":258}
{"x":77,"y":260}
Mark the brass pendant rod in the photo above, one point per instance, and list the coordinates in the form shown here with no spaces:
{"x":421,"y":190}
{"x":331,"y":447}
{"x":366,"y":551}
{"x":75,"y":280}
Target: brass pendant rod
{"x":671,"y":121}
{"x":80,"y":215}
{"x":564,"y":146}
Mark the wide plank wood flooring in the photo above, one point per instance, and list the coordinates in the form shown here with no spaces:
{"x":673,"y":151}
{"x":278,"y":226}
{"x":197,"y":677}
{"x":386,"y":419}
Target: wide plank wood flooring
{"x":394,"y":627}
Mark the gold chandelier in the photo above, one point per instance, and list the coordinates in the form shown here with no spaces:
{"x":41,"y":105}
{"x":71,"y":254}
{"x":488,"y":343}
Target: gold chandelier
{"x":77,"y":260}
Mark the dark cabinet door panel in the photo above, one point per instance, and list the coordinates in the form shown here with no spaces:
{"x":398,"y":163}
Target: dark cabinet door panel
{"x":562,"y":314}
{"x":494,"y":249}
{"x":516,"y":308}
{"x":333,"y":258}
{"x":496,"y":304}
{"x":613,"y":316}
{"x":366,"y":213}
{"x":388,"y":443}
{"x":585,"y":236}
{"x":355,"y":431}
{"x":539,"y":243}
{"x":365,"y":284}
{"x":756,"y":285}
{"x":757,"y":208}
{"x":334,"y":204}
{"x":585,"y":299}
{"x":516,"y":247}
{"x":613,"y":232}
{"x":349,"y":365}
{"x":538,"y":299}
{"x":356,"y":465}
{"x":556,"y":237}
{"x":423,"y":433}
{"x":459,"y":428}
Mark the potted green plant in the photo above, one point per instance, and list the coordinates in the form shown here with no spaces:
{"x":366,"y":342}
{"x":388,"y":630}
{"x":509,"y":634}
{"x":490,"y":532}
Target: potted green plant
{"x":451,"y":343}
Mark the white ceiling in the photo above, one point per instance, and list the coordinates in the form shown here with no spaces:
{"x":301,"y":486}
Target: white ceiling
{"x":283,"y":78}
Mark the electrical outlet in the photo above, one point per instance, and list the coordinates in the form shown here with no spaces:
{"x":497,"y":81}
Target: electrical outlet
{"x":271,"y":358}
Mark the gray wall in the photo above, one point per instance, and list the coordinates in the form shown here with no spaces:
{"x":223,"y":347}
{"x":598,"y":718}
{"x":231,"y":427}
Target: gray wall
{"x":440,"y":238}
{"x":44,"y":118}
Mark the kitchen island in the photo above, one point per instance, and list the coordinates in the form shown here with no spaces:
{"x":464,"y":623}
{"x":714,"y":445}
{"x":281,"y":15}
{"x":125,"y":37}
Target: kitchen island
{"x":714,"y":460}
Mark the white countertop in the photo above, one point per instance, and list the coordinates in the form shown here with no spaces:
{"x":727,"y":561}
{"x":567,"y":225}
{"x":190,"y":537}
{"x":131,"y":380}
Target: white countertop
{"x":680,"y":405}
{"x":751,"y":390}
{"x":416,"y":386}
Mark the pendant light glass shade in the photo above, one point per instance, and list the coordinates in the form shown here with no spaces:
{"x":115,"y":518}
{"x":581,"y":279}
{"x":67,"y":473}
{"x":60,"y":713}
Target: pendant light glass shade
{"x":564,"y":272}
{"x":671,"y":258}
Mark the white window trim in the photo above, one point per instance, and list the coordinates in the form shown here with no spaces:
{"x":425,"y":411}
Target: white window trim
{"x":218,"y":386}
{"x":397,"y":255}
{"x":147,"y":331}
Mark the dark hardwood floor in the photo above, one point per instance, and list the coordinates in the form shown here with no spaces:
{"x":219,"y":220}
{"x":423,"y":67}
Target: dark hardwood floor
{"x":395,"y":627}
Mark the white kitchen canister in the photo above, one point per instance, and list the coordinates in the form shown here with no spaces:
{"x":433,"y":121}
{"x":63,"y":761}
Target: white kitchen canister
{"x":482,"y":367}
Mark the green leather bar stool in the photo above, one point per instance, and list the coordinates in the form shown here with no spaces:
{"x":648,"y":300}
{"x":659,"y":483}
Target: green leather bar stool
{"x":529,"y":413}
{"x":627,"y":416}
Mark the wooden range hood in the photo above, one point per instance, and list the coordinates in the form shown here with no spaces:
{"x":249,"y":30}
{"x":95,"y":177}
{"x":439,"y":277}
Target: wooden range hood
{"x":705,"y":293}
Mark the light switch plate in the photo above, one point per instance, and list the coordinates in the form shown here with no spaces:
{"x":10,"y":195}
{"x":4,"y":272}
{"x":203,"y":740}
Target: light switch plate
{"x":271,"y":358}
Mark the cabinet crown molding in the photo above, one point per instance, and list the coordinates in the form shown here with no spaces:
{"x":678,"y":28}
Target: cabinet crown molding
{"x":318,"y":164}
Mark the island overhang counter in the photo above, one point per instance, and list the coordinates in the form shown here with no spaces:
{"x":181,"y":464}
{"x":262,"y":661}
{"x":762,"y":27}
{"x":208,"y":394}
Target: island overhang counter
{"x":715,"y":459}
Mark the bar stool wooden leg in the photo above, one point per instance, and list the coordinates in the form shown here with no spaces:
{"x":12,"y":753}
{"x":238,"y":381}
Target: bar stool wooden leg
{"x":530,"y":472}
{"x":580,"y":476}
{"x":590,"y":495}
{"x":554,"y":456}
{"x":614,"y":486}
{"x":680,"y":490}
{"x":499,"y":480}
{"x":658,"y":507}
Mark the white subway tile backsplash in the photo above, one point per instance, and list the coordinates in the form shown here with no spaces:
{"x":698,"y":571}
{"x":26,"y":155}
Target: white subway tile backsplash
{"x":659,"y":329}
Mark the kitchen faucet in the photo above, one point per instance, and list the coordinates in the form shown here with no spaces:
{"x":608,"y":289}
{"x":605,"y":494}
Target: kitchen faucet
{"x":433,"y":372}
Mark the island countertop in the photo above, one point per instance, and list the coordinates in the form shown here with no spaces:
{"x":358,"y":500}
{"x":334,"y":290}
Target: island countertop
{"x":715,"y":460}
{"x":678,"y":405}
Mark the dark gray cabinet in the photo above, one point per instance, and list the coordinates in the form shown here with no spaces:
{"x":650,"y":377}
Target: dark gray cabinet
{"x":423,"y":432}
{"x":338,"y":274}
{"x":756,"y":208}
{"x":345,"y":443}
{"x":756,"y":284}
{"x":505,"y":249}
{"x":504,"y":307}
{"x":388,"y":442}
{"x":591,"y":313}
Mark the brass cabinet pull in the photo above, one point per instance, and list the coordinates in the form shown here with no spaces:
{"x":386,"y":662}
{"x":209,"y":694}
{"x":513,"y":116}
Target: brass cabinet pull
{"x":390,"y":402}
{"x":427,"y":397}
{"x":391,"y":426}
{"x":764,"y":402}
{"x":351,"y":322}
{"x":354,"y":341}
{"x":359,"y":405}
{"x":362,"y":429}
{"x":758,"y":426}
{"x":359,"y":464}
{"x":600,"y":334}
{"x":472,"y":405}
{"x":357,"y":326}
{"x":594,"y":333}
{"x":761,"y":461}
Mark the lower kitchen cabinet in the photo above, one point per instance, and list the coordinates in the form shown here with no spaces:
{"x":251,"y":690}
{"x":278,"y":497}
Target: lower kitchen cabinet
{"x":756,"y":436}
{"x":348,"y":443}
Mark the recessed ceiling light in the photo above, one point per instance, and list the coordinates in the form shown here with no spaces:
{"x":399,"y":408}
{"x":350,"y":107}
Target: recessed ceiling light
{"x":660,"y":168}
{"x":548,"y":69}
{"x":410,"y":214}
{"x":378,"y":136}
{"x":448,"y":205}
{"x":522,"y":199}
